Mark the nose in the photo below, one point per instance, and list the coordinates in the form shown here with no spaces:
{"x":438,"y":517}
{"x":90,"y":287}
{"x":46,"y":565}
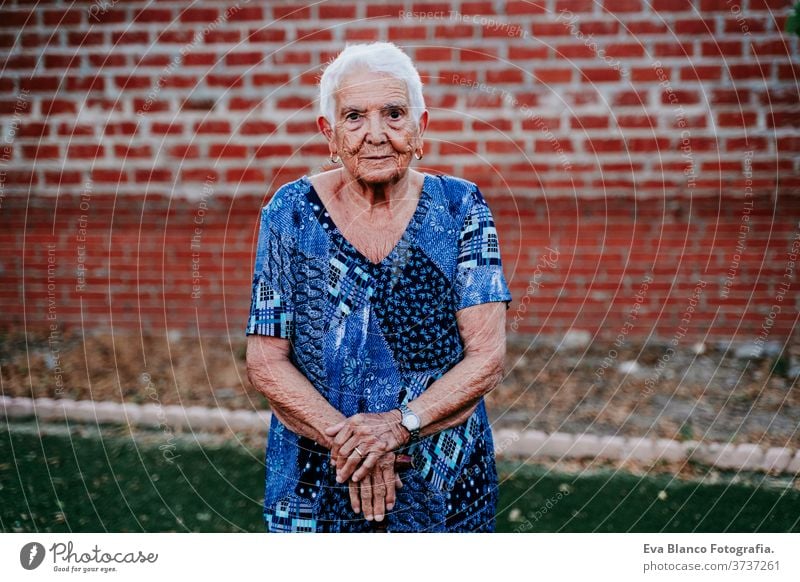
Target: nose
{"x":376,"y":133}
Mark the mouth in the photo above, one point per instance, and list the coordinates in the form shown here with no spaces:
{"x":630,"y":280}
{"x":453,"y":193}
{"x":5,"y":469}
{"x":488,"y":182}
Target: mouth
{"x":376,"y":157}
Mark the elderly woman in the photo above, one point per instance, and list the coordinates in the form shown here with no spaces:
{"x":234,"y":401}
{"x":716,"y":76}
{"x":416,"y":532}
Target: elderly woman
{"x":377,"y":322}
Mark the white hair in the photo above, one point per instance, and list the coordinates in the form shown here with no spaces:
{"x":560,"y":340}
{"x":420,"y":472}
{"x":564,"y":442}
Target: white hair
{"x":379,"y":57}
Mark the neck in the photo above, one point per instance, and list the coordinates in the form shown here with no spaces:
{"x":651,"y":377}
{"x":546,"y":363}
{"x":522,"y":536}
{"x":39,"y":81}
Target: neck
{"x":385,"y":196}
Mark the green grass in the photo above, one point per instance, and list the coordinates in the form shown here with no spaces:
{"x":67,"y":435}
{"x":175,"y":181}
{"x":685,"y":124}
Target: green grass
{"x":620,"y":502}
{"x":67,"y":482}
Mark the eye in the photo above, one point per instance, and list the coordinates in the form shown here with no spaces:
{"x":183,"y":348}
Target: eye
{"x":395,"y":114}
{"x":352,"y":116}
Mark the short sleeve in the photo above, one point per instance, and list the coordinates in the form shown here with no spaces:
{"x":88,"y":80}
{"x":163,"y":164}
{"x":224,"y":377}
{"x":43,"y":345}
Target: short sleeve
{"x":479,"y":271}
{"x":271,"y":301}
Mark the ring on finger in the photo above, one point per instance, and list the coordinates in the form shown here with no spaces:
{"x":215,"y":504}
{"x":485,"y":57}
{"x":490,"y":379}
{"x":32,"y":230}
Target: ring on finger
{"x":360,"y":454}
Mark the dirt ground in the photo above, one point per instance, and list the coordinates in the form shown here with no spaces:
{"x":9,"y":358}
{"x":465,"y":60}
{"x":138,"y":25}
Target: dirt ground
{"x":637,"y":390}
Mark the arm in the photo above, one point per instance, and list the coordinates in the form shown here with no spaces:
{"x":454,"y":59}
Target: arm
{"x":447,"y":402}
{"x":293,"y":399}
{"x":299,"y":406}
{"x":452,"y":399}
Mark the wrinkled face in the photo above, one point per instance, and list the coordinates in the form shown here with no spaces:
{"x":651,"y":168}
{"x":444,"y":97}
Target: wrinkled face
{"x":374,"y":133}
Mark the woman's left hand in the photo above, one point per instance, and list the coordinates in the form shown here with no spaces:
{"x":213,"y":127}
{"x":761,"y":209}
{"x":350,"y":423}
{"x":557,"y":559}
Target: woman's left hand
{"x":376,"y":493}
{"x":373,"y":435}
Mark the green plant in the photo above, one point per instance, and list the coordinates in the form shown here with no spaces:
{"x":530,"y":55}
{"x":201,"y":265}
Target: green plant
{"x":686,"y":431}
{"x":781,"y":365}
{"x":793,"y":22}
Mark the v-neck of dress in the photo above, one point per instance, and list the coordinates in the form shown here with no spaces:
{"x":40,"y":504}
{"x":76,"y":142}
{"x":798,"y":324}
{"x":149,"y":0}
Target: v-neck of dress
{"x":324,"y":218}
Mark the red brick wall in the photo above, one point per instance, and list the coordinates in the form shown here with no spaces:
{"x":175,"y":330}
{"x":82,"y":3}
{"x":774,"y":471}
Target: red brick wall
{"x":641,"y":157}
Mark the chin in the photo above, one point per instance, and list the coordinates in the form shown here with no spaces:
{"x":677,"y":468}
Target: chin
{"x":380,"y":175}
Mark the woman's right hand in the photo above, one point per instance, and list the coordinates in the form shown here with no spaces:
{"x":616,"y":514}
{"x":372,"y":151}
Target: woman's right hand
{"x":375,"y":493}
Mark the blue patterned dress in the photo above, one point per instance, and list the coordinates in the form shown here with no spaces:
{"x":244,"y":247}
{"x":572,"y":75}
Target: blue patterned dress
{"x":370,"y":337}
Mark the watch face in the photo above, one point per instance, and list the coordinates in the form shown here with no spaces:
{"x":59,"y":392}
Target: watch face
{"x":411,"y":421}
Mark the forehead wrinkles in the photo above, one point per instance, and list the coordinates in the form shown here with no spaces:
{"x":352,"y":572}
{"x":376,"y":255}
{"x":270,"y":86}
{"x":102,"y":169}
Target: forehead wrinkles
{"x":371,"y":91}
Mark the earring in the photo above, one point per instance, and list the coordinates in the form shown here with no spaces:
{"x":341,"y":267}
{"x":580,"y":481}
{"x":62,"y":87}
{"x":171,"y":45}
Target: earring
{"x":418,"y":155}
{"x":334,"y":159}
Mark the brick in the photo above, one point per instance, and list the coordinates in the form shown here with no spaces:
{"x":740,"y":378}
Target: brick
{"x":505,"y":147}
{"x":163,"y":15}
{"x":520,"y":53}
{"x":683,"y":97}
{"x":199,"y":15}
{"x":730,"y":97}
{"x":794,"y":464}
{"x":222,"y":36}
{"x":434,"y":54}
{"x":553,"y":75}
{"x":547,"y":29}
{"x":454,"y":31}
{"x":505,"y":76}
{"x":585,"y":446}
{"x":525,"y":444}
{"x":748,"y":72}
{"x":130,"y":37}
{"x":478,"y":8}
{"x":671,"y":5}
{"x":556,"y":445}
{"x":574,"y":51}
{"x":783,"y":118}
{"x":201,"y":60}
{"x":603,"y":145}
{"x":748,"y":457}
{"x":736,"y":119}
{"x":694,"y":26}
{"x":314,"y":35}
{"x":672,"y":49}
{"x":590,"y":122}
{"x":776,"y":459}
{"x":384,"y":10}
{"x":227,"y":151}
{"x":726,"y":48}
{"x":643,"y":27}
{"x":407,"y":33}
{"x":267,"y":35}
{"x":715,"y":5}
{"x":575,"y":6}
{"x":461,"y":148}
{"x":291,"y":12}
{"x":502,"y":30}
{"x":363,"y":35}
{"x":344,"y":12}
{"x":612,"y":447}
{"x":63,"y":17}
{"x":626,"y":51}
{"x":600,"y":75}
{"x":517,"y":8}
{"x":622,"y":6}
{"x":751,"y":25}
{"x":701,"y":73}
{"x":636,"y":121}
{"x":212,"y":126}
{"x":669,"y":450}
{"x":640,"y":449}
{"x":247,"y":59}
{"x":478,"y":54}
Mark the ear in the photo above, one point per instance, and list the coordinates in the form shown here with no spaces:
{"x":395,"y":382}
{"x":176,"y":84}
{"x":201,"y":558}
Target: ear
{"x":325,"y":127}
{"x":422,"y":123}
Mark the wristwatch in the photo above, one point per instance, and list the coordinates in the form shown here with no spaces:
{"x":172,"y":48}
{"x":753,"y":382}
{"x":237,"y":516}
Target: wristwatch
{"x":410,"y":421}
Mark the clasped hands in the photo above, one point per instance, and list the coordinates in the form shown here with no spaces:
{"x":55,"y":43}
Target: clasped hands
{"x":363,"y":454}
